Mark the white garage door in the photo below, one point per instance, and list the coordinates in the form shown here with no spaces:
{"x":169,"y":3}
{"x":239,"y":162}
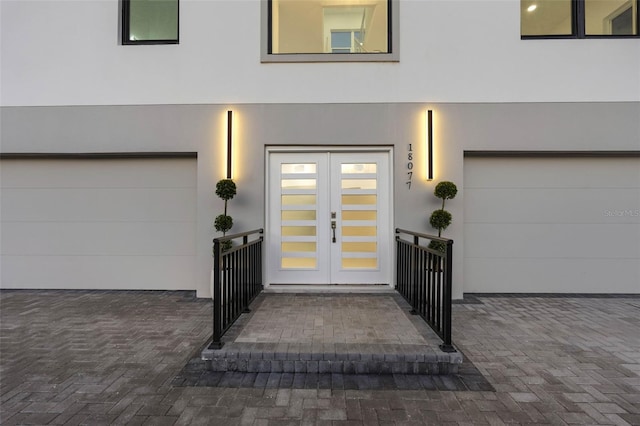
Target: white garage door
{"x":98,"y":224}
{"x":558,"y":225}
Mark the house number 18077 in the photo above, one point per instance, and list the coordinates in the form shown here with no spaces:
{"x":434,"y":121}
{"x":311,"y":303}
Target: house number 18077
{"x":409,"y":166}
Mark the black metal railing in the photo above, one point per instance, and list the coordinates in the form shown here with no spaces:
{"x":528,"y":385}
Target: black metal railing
{"x":424,"y":280}
{"x":237,"y":279}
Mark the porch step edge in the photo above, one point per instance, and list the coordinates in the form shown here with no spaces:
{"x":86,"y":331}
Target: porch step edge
{"x":434,"y":363}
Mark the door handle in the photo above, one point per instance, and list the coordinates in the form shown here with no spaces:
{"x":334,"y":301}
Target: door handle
{"x":333,"y":229}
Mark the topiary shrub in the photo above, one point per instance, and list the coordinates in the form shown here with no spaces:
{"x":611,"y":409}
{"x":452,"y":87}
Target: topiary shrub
{"x":223,"y":223}
{"x":226,"y":190}
{"x":441,"y":219}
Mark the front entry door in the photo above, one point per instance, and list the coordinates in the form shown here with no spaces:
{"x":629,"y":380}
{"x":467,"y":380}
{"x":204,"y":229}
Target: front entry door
{"x":329,"y":218}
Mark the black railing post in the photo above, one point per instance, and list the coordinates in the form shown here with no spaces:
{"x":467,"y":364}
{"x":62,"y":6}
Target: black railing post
{"x":413,"y":274}
{"x":237,"y":280}
{"x":216,"y":343}
{"x":447,"y":290}
{"x":246,"y":259}
{"x":424,"y":279}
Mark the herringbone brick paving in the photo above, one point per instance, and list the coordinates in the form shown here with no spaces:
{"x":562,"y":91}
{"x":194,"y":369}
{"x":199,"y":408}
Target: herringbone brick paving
{"x":90,"y":357}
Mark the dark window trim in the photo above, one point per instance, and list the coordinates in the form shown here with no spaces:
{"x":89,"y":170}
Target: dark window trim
{"x":126,"y":10}
{"x":390,"y":29}
{"x":269,"y":27}
{"x":578,"y":26}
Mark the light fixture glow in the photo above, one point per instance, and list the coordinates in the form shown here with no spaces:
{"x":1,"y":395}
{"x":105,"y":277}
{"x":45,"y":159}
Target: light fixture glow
{"x":532,"y":8}
{"x":429,"y":143}
{"x":229,"y":142}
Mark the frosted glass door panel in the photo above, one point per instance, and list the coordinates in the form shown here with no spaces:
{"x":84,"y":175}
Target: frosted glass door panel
{"x":308,"y":193}
{"x":298,"y":229}
{"x":297,"y":205}
{"x":361,"y":198}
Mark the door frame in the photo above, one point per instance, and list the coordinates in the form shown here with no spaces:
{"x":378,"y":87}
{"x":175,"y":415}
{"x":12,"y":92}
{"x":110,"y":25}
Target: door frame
{"x":269,"y":149}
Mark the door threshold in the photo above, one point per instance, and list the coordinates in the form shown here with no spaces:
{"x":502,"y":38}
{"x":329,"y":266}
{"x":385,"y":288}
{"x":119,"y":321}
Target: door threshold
{"x":328,"y":288}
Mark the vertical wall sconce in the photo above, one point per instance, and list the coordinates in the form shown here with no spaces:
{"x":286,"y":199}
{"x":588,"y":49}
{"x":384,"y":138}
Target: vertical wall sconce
{"x":429,"y":147}
{"x":229,"y":142}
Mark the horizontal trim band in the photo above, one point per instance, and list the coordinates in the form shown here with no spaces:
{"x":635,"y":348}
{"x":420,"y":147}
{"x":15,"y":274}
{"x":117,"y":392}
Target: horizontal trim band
{"x":552,"y":154}
{"x":92,"y":155}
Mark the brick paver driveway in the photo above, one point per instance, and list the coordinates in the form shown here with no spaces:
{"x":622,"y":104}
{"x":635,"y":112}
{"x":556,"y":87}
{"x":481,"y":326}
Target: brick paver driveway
{"x":83,"y":357}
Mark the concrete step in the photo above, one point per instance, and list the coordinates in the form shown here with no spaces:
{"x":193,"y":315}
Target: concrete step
{"x":331,"y":358}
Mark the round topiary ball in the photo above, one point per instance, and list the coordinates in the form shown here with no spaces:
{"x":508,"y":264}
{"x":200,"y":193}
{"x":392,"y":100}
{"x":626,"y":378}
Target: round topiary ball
{"x":440,"y":219}
{"x":226,"y":189}
{"x":438,"y":246}
{"x":223,"y":223}
{"x":446,"y":190}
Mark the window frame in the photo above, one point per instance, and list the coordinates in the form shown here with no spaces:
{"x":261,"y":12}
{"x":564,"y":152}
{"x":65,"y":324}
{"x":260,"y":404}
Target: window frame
{"x":578,"y":26}
{"x":393,"y":42}
{"x":126,"y":27}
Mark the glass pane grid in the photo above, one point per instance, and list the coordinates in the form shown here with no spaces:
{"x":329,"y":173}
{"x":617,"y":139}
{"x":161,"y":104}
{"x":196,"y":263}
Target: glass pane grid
{"x":298,"y":215}
{"x":298,"y":199}
{"x":298,"y":168}
{"x":358,"y":168}
{"x":359,"y":199}
{"x":359,"y":184}
{"x":355,"y":263}
{"x":359,"y":247}
{"x":298,"y":231}
{"x":359,"y":231}
{"x":298,"y":263}
{"x":307,"y":246}
{"x":348,"y":215}
{"x":291,"y":184}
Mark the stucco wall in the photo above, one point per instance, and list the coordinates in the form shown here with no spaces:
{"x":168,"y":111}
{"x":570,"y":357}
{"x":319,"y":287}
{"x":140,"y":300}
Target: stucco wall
{"x":201,"y":129}
{"x":58,"y":52}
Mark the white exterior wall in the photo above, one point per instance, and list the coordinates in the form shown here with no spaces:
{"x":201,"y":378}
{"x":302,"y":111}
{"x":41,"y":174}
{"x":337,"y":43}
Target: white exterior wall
{"x":489,"y":89}
{"x":68,"y":53}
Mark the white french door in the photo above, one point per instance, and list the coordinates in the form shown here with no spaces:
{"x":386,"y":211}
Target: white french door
{"x":329,"y":218}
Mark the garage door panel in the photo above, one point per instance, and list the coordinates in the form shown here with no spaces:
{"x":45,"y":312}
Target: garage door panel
{"x":552,"y":276}
{"x":99,"y":173}
{"x":552,"y":225}
{"x":99,"y":239}
{"x":551,"y":173}
{"x":99,"y":272}
{"x":552,"y":241}
{"x":111,"y":224}
{"x":101,"y":204}
{"x":551,"y":205}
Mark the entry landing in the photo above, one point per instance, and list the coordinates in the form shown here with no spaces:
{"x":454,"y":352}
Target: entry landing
{"x":331,"y":333}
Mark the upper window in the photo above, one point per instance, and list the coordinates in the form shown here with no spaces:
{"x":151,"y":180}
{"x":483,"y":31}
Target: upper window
{"x":336,"y":30}
{"x":150,"y":21}
{"x":579,"y":18}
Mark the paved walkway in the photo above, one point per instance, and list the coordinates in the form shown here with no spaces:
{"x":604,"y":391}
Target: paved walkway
{"x":329,"y":334}
{"x":330,"y":319}
{"x":112,"y":357}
